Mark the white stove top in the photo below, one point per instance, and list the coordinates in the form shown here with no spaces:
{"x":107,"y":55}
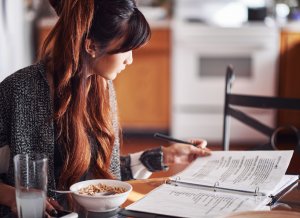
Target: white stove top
{"x":187,"y":31}
{"x":216,"y":12}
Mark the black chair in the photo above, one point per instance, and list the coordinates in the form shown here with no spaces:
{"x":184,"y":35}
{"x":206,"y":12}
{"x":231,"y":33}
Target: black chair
{"x":275,"y":136}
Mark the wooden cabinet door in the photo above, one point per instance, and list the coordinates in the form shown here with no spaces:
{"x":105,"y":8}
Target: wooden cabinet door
{"x":289,"y":76}
{"x":143,"y":88}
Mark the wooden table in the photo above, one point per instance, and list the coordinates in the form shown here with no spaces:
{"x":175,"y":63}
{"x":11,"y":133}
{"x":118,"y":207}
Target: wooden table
{"x":142,"y":187}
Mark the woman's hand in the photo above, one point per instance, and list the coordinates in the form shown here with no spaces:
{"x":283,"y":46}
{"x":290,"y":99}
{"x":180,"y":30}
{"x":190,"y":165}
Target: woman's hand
{"x":51,"y":206}
{"x":10,"y":200}
{"x":184,"y":153}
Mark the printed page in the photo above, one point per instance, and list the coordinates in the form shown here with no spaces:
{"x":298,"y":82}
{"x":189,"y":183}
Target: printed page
{"x":239,"y":170}
{"x":178,"y":201}
{"x":285,"y":182}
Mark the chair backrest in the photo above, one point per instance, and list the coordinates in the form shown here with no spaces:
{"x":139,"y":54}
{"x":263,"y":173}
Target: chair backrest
{"x":232,"y":101}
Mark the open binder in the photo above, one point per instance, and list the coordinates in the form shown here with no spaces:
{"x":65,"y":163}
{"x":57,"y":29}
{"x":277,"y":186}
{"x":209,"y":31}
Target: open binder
{"x":225,"y":182}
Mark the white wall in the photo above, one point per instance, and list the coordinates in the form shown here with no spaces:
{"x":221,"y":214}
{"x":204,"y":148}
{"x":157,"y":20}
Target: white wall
{"x":16,"y":44}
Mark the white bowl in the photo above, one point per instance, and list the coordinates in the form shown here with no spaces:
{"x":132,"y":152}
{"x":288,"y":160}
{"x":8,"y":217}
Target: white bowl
{"x":101,"y":203}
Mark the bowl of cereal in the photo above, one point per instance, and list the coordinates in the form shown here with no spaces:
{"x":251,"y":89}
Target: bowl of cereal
{"x":100,"y":195}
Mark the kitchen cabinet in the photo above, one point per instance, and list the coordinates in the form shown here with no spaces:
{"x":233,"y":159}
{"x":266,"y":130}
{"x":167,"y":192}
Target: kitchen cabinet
{"x":289,"y":74}
{"x":143,"y":88}
{"x":44,"y":27}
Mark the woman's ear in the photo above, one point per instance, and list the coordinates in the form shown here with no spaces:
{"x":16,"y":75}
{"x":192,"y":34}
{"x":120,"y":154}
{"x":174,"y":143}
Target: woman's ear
{"x":90,"y":47}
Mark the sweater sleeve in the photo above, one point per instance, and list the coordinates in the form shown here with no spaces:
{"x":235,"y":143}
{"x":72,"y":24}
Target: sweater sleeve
{"x":3,"y":121}
{"x":4,"y":149}
{"x":141,"y":165}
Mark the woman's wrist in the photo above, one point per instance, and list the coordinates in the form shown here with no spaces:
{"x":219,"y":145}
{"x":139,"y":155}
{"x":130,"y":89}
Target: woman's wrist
{"x":164,"y":151}
{"x":167,"y":155}
{"x":153,"y":160}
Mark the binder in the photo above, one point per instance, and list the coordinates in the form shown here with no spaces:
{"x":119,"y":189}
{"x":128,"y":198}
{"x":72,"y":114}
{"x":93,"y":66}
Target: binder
{"x":225,"y":182}
{"x":286,"y":182}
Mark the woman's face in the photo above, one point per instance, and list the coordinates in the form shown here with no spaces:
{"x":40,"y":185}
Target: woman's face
{"x":110,"y":65}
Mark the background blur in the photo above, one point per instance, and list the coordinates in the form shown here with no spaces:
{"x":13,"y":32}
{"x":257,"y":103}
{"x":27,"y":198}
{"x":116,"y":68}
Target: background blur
{"x":176,"y":84}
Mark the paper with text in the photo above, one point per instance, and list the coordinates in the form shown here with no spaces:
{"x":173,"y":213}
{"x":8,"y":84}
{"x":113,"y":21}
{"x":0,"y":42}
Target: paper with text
{"x":238,"y":170}
{"x":181,"y":201}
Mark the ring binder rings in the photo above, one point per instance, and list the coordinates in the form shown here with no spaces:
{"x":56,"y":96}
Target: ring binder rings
{"x":216,"y":185}
{"x":175,"y":180}
{"x":259,"y":195}
{"x":166,"y":181}
{"x":256,"y":192}
{"x":243,"y":180}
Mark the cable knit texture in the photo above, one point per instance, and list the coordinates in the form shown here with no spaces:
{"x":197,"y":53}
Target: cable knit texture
{"x":26,"y":125}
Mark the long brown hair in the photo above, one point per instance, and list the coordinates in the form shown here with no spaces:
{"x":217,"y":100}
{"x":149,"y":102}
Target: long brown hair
{"x":81,"y":102}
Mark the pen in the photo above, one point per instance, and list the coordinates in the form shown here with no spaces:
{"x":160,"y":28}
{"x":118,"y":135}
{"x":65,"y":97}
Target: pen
{"x":168,"y":138}
{"x":282,"y":193}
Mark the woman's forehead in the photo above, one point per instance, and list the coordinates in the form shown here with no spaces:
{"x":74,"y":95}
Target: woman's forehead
{"x":115,"y":45}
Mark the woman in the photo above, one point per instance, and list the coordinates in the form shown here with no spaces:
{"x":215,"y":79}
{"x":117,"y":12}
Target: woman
{"x":64,"y":106}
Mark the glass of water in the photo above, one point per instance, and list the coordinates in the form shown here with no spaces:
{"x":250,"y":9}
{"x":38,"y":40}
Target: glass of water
{"x":31,"y":184}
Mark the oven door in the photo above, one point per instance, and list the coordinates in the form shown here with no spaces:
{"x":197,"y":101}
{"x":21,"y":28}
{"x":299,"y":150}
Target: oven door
{"x":198,"y":85}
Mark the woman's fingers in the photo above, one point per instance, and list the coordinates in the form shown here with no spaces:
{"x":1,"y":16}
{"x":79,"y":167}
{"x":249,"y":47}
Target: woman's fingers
{"x":201,"y":143}
{"x":205,"y":152}
{"x":201,"y":150}
{"x":55,"y":204}
{"x":51,"y":206}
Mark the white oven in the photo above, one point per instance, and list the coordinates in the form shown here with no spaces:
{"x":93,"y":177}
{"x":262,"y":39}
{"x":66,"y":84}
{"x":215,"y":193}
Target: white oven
{"x":200,"y":56}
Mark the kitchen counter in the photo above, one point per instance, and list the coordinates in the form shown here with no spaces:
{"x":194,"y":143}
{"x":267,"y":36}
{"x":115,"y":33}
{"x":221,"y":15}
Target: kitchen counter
{"x":293,"y":26}
{"x":49,"y":22}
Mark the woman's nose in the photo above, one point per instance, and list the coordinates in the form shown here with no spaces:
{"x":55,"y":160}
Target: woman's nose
{"x":129,"y":59}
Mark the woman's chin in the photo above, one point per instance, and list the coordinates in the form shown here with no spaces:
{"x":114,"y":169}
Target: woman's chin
{"x":110,"y":76}
{"x":113,"y":76}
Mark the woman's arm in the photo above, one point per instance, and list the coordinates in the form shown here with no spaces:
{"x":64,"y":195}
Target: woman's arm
{"x":141,"y":165}
{"x":9,"y":199}
{"x":7,"y":193}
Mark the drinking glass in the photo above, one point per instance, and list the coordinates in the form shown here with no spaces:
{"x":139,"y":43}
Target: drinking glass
{"x":31,"y":184}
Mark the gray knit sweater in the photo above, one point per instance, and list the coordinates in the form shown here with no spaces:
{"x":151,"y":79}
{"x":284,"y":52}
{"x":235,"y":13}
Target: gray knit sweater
{"x":26,"y":124}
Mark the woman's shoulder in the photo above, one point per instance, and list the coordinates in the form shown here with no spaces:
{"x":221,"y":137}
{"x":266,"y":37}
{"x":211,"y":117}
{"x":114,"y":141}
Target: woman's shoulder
{"x":24,"y":77}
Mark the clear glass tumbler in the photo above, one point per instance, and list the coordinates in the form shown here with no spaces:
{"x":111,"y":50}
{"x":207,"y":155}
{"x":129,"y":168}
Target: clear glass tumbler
{"x":31,"y":184}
